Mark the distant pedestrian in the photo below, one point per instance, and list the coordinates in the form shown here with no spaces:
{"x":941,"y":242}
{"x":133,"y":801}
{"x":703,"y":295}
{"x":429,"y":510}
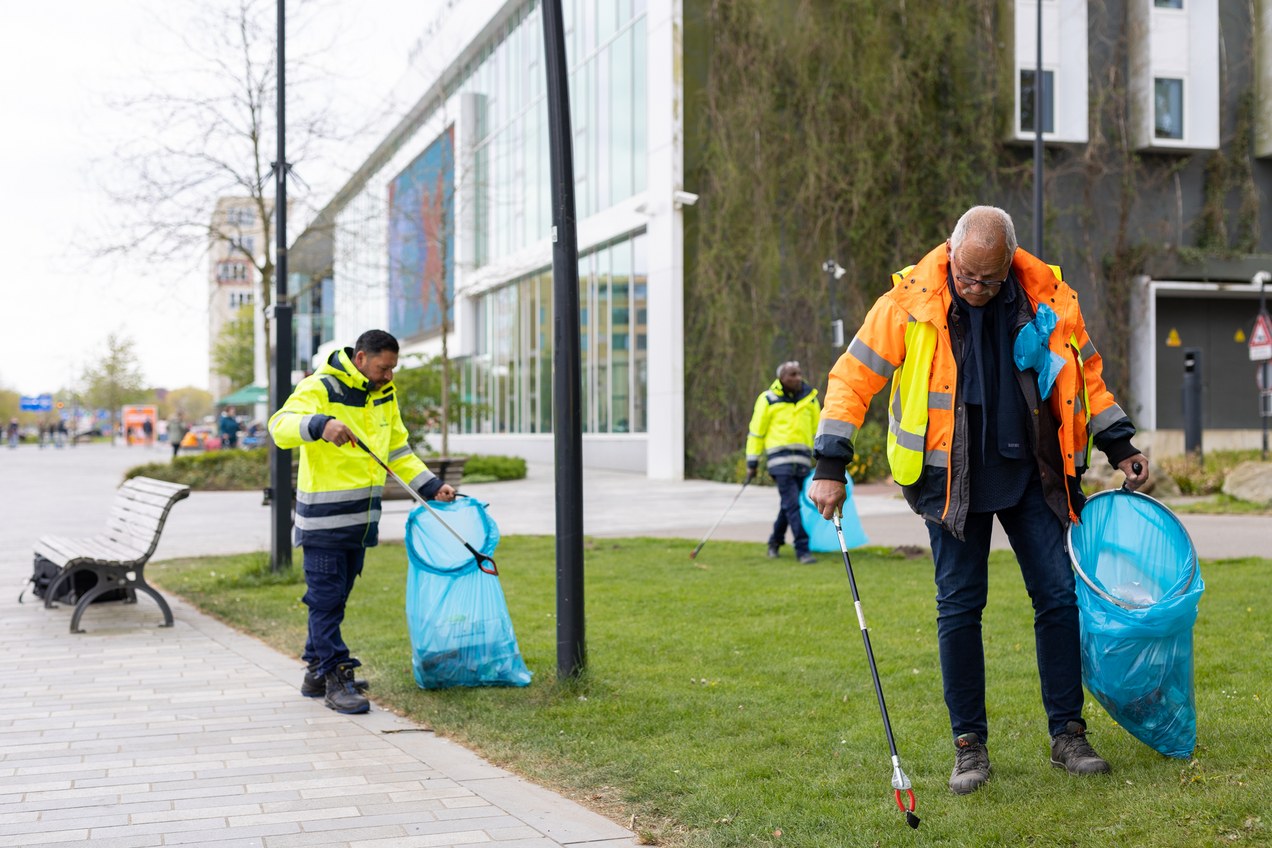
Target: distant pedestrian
{"x":783,"y":426}
{"x":148,"y":431}
{"x":176,"y":432}
{"x":60,"y":439}
{"x":12,"y":432}
{"x":229,"y":428}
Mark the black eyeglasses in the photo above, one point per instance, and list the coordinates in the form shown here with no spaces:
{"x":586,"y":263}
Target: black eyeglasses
{"x":985,"y":284}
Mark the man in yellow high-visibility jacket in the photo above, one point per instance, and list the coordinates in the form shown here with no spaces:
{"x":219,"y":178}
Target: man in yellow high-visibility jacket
{"x":782,"y":426}
{"x":350,"y":399}
{"x":992,"y":439}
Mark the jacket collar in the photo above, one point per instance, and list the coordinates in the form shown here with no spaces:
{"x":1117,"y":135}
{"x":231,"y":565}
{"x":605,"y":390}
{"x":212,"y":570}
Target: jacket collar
{"x":925,"y":293}
{"x":340,"y":365}
{"x":804,"y":391}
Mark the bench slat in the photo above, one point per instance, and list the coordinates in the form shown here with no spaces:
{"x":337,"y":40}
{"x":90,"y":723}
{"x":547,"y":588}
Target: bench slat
{"x":140,"y":542}
{"x":134,"y":496}
{"x":143,"y":525}
{"x":157,"y":488}
{"x":138,"y":508}
{"x":63,"y":551}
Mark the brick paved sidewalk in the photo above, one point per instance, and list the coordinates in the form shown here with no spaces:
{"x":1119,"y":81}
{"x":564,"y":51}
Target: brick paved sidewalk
{"x":196,"y":735}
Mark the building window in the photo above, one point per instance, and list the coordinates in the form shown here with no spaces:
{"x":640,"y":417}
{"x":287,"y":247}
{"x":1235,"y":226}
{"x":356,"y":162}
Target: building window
{"x":1168,"y":108}
{"x":1027,"y":101}
{"x":507,"y":383}
{"x":240,"y":216}
{"x":510,"y":153}
{"x":231,"y":271}
{"x":1169,"y":4}
{"x":240,"y":298}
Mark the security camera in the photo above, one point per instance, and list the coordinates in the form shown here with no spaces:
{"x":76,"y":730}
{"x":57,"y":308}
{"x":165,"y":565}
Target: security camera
{"x":684,"y":198}
{"x":830,"y":266}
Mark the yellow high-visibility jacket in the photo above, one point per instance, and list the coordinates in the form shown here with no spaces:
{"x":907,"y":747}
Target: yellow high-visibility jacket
{"x":783,"y":427}
{"x":1081,"y":407}
{"x":339,"y":488}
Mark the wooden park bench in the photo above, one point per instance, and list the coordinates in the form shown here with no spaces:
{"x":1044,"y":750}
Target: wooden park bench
{"x":117,"y":556}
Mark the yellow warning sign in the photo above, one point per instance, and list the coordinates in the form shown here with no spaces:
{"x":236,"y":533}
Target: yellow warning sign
{"x":1172,"y":338}
{"x":1239,"y":338}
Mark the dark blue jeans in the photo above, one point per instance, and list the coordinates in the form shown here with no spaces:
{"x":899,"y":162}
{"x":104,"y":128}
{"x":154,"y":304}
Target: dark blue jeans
{"x":790,"y":482}
{"x":1037,"y":537}
{"x":329,"y":576}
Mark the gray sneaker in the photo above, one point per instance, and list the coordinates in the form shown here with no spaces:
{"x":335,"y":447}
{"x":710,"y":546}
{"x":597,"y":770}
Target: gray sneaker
{"x":1072,"y":752}
{"x":774,"y":551}
{"x":971,"y":764}
{"x":807,"y":559}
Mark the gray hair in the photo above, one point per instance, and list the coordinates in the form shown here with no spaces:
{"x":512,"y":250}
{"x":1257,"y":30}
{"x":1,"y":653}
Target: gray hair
{"x":985,"y":226}
{"x":790,"y":365}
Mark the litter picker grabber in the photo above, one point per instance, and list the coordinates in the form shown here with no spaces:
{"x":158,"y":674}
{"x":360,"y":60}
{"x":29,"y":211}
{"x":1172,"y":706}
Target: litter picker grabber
{"x":900,"y":783}
{"x":485,"y":563}
{"x":694,"y":555}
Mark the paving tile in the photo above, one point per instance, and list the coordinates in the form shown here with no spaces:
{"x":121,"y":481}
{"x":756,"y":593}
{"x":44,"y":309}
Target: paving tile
{"x":436,"y":840}
{"x":385,"y":836}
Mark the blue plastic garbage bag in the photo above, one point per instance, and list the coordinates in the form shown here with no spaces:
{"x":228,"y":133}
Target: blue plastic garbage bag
{"x":821,"y":533}
{"x":1138,"y":589}
{"x":1031,"y":349}
{"x":461,"y":634}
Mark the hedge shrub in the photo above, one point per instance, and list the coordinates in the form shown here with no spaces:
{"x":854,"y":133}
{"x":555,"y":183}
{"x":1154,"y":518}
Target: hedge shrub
{"x":228,"y":470}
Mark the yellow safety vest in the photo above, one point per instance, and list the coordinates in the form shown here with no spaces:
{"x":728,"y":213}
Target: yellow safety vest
{"x":908,"y":399}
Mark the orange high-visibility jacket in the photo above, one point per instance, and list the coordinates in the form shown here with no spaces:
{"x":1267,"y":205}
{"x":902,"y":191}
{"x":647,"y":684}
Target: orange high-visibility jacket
{"x":1081,"y":406}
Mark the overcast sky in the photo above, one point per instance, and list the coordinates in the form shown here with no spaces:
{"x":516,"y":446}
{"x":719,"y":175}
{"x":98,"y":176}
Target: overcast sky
{"x":64,"y":65}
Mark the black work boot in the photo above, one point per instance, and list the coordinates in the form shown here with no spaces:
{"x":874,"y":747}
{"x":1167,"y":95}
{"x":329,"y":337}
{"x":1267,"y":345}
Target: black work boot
{"x":971,"y":764}
{"x":342,"y":693}
{"x":1072,"y":752}
{"x":314,"y":686}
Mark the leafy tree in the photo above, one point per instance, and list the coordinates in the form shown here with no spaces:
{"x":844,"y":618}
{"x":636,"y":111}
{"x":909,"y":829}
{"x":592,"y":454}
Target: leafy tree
{"x":10,"y":401}
{"x":425,"y":398}
{"x":197,"y":404}
{"x":232,"y":349}
{"x":116,"y":378}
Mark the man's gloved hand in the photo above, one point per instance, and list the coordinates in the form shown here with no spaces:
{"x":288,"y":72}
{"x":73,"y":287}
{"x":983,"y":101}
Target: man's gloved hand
{"x":751,"y":468}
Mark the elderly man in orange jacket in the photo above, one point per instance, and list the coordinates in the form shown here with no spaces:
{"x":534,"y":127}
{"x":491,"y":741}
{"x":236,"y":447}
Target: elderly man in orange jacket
{"x":975,"y":434}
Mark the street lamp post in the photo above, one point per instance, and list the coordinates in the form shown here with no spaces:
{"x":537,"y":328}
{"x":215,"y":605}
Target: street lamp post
{"x":280,"y":386}
{"x":567,"y":424}
{"x":1037,"y":116}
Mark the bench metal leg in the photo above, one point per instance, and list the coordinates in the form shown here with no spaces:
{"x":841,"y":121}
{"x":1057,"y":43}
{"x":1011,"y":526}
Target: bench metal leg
{"x":107,"y":582}
{"x":142,"y":586}
{"x":52,"y":590}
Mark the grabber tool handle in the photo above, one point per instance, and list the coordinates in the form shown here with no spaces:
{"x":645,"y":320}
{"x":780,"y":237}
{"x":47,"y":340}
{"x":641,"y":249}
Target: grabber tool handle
{"x":485,"y":563}
{"x":900,"y":783}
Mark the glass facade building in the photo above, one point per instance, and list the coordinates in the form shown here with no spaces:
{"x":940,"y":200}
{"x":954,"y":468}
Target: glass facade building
{"x":507,"y":383}
{"x":507,"y":377}
{"x":484,"y":240}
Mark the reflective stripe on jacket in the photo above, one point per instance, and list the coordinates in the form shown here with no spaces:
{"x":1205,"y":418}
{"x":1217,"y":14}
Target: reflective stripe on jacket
{"x":783,"y":427}
{"x":339,"y":488}
{"x":1081,"y":405}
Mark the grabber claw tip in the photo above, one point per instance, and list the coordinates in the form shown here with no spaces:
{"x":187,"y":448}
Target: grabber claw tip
{"x":910,"y":818}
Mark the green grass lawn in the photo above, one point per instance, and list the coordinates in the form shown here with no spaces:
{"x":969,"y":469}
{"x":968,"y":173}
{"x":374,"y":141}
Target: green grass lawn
{"x":729,"y":702}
